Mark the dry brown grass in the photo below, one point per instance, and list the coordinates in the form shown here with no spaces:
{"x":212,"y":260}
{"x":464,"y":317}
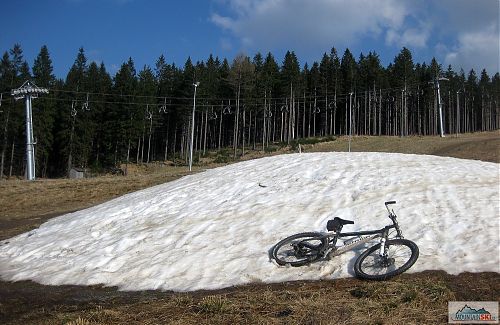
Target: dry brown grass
{"x":480,"y":146}
{"x":25,"y":205}
{"x":409,"y":299}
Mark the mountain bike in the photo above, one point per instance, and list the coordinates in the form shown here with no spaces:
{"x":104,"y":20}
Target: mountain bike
{"x":393,"y":255}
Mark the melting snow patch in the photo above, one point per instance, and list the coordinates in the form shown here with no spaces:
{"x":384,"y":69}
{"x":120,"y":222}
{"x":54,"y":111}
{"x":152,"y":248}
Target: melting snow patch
{"x":214,"y":229}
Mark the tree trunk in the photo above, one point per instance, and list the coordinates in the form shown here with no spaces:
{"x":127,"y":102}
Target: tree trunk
{"x":304,"y":117}
{"x":314,"y":113}
{"x":309,"y":122}
{"x":220,"y":124}
{"x":236,"y":121}
{"x":243,"y":132}
{"x":11,"y":159}
{"x":149,"y":137}
{"x":138,"y":150}
{"x":255,"y":132}
{"x":128,"y":158}
{"x":205,"y":134}
{"x":380,"y":113}
{"x":166,"y":143}
{"x":70,"y":156}
{"x":143,"y":139}
{"x":264,"y":125}
{"x":175,"y":141}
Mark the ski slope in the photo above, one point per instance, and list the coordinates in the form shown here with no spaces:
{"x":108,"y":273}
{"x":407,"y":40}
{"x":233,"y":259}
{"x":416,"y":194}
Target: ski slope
{"x":214,"y":229}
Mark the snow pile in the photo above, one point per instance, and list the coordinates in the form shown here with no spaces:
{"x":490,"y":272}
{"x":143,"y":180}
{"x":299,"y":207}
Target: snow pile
{"x":214,"y":229}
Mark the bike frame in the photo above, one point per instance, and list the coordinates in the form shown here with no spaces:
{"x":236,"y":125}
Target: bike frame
{"x":364,"y":237}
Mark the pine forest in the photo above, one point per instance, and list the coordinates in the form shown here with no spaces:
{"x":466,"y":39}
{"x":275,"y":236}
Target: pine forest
{"x":98,"y":121}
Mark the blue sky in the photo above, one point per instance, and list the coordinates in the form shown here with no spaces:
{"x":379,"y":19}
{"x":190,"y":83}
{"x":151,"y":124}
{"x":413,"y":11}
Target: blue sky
{"x":463,"y":33}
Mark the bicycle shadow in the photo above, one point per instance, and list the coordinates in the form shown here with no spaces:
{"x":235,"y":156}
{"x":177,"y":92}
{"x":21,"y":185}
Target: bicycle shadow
{"x":350,"y":263}
{"x":357,"y":252}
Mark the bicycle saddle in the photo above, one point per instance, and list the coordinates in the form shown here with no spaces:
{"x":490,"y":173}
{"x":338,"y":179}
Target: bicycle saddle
{"x":337,"y":223}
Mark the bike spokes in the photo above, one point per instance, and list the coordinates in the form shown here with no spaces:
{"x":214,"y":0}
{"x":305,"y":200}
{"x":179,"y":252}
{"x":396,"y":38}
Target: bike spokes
{"x":299,"y":250}
{"x":399,"y":257}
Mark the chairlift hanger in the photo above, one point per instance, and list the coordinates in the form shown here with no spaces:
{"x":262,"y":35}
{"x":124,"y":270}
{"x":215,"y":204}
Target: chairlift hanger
{"x":85,"y":105}
{"x":163,"y":108}
{"x":73,"y":109}
{"x":212,"y":114}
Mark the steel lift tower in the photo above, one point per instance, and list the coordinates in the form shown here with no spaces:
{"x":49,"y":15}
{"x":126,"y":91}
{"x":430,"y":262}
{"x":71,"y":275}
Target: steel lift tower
{"x":29,"y":91}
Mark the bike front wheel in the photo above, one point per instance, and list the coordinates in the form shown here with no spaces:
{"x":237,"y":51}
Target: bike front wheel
{"x":300,"y":249}
{"x":401,"y":254}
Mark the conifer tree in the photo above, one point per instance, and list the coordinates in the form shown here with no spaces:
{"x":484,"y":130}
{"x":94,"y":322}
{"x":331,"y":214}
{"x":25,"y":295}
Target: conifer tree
{"x":43,"y":111}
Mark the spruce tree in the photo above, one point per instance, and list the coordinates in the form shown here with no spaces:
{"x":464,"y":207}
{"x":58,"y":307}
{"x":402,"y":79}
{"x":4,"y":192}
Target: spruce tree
{"x":43,"y":111}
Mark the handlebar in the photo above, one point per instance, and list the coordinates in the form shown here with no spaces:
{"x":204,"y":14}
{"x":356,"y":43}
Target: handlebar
{"x":392,"y":215}
{"x":387,"y":206}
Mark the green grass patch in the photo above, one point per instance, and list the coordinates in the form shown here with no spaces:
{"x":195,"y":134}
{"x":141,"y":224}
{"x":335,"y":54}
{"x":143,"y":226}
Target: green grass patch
{"x":223,"y":156}
{"x":271,"y":148}
{"x":309,"y":141}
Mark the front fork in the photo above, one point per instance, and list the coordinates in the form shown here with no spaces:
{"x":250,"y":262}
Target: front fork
{"x":382,"y":247}
{"x":383,"y":252}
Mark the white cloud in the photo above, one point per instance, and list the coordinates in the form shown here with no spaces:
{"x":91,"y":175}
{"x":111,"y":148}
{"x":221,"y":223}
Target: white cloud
{"x":476,"y":49}
{"x":271,"y":23}
{"x":411,"y":37}
{"x":224,"y":22}
{"x":463,"y":33}
{"x":458,"y":16}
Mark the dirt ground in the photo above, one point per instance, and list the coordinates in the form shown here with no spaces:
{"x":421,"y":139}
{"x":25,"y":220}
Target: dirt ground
{"x":25,"y":205}
{"x":420,"y":298}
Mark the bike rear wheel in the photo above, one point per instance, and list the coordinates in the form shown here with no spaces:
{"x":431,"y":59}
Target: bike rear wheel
{"x":401,"y":254}
{"x":300,"y":249}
